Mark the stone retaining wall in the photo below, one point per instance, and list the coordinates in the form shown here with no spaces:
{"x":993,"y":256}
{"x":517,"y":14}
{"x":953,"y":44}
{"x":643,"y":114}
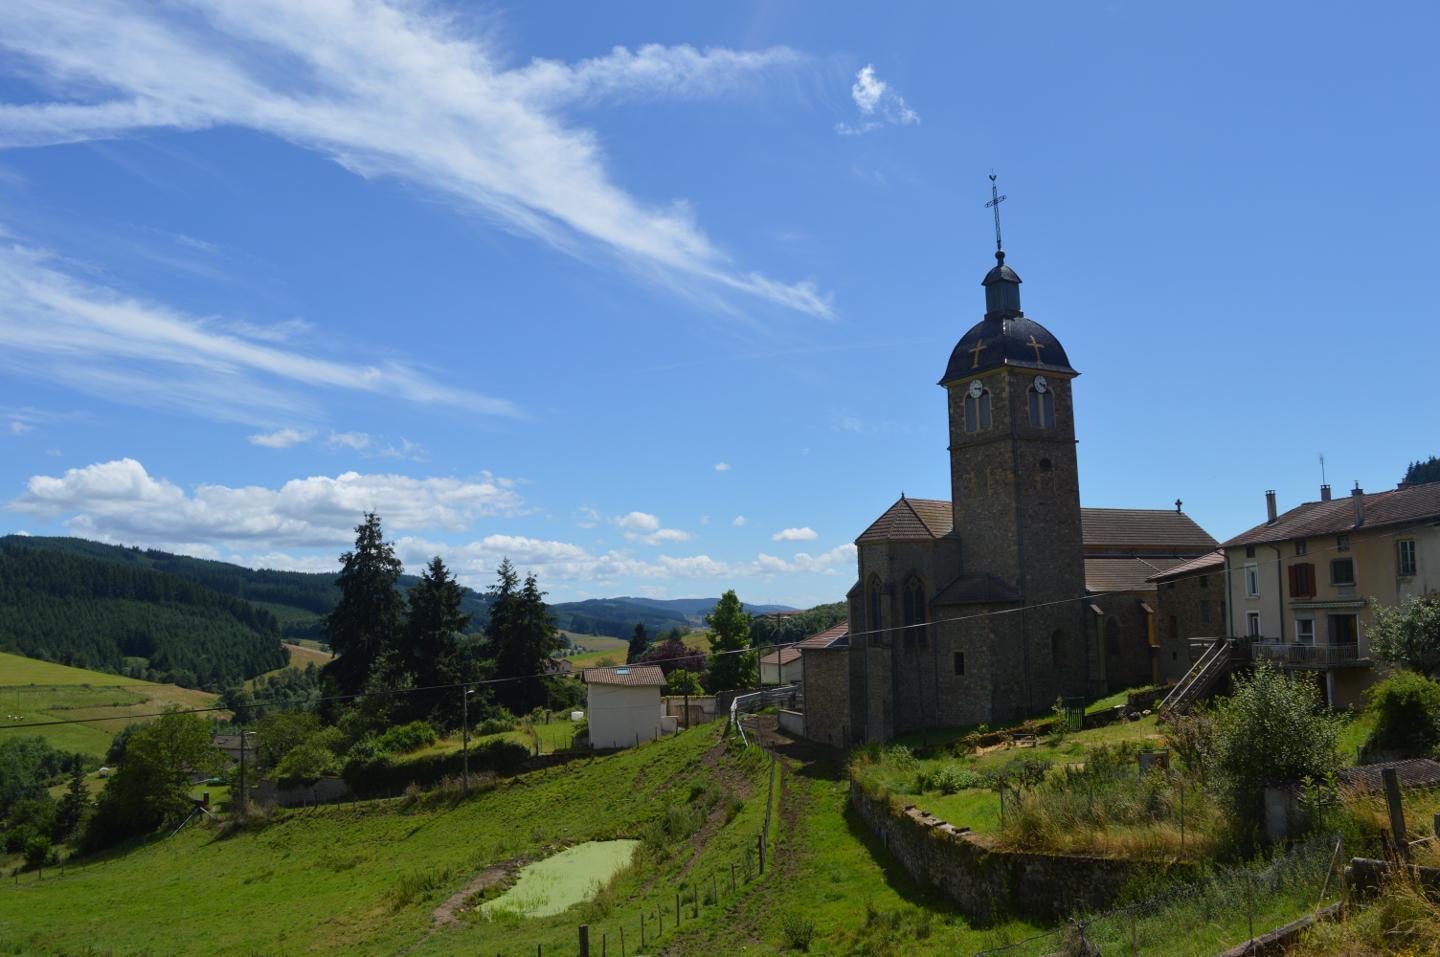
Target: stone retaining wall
{"x":988,"y":884}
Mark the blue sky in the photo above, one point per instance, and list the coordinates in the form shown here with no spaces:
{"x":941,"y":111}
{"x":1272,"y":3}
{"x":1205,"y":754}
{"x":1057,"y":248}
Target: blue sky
{"x":653,"y":297}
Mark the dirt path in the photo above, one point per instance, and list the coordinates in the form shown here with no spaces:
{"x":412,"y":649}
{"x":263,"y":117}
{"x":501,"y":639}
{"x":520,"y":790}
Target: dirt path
{"x":445,"y":913}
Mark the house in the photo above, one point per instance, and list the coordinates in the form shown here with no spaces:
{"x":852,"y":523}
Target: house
{"x":827,"y":685}
{"x":1298,"y":585}
{"x":1190,"y":611}
{"x":781,"y":666}
{"x":624,"y":705}
{"x":231,"y":744}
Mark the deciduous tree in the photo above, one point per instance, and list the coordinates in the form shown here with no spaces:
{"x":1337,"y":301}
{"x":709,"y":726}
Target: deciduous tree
{"x":1407,"y":635}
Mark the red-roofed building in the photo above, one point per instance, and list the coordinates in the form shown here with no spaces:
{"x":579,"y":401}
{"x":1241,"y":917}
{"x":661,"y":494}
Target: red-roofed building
{"x":624,"y":706}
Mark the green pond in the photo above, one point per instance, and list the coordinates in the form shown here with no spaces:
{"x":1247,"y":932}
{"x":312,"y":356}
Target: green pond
{"x":563,"y":880}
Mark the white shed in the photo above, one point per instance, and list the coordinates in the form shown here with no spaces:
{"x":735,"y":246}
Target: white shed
{"x":625,"y":706}
{"x":782,"y":666}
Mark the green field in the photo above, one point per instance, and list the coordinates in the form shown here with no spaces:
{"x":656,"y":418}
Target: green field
{"x":33,"y":692}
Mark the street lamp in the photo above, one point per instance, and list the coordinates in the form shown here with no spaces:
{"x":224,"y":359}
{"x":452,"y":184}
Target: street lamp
{"x":465,"y":731}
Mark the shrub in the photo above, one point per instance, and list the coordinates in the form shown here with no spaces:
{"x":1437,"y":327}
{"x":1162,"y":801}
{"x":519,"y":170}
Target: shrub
{"x":1407,"y":714}
{"x":948,"y":778}
{"x":499,"y":723}
{"x":37,"y":851}
{"x":1272,"y":730}
{"x":799,"y":930}
{"x":1194,"y":738}
{"x":305,"y":765}
{"x":405,"y":738}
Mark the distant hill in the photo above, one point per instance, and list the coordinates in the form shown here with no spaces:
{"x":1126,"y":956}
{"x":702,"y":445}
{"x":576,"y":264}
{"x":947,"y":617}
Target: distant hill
{"x":617,"y":617}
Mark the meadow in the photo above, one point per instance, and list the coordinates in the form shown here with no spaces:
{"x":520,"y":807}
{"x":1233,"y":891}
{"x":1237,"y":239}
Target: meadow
{"x":36,"y":691}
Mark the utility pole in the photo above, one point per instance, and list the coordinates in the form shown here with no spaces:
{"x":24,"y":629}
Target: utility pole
{"x":242,"y":770}
{"x":465,"y":733}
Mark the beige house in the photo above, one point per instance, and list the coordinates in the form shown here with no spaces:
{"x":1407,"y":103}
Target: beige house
{"x":1298,"y":585}
{"x":782,"y":666}
{"x":624,"y":705}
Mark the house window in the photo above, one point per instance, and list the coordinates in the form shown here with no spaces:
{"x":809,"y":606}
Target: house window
{"x":1252,"y":624}
{"x":1342,"y":571}
{"x":1302,"y":580}
{"x":1042,"y":409}
{"x":1305,"y":631}
{"x":1205,"y":611}
{"x":1342,"y":543}
{"x":959,"y":662}
{"x":1343,"y":630}
{"x":1204,"y":581}
{"x":977,"y":411}
{"x":1406,"y":548}
{"x":913,"y":608}
{"x":1249,"y":551}
{"x":1252,"y":581}
{"x":1301,"y":547}
{"x":1057,"y":649}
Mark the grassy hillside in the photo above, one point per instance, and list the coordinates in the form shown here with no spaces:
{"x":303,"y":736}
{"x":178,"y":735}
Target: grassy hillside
{"x":34,"y":691}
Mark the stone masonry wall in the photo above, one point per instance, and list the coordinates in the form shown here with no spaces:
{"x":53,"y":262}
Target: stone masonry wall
{"x":988,"y":884}
{"x":827,"y":695}
{"x":1197,"y":602}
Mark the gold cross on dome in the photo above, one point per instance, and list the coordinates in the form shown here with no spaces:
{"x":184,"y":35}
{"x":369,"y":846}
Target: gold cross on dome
{"x":975,"y":352}
{"x":1037,"y":346}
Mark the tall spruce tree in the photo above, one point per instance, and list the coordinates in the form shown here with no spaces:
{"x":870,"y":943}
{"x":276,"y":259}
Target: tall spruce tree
{"x":731,"y":665}
{"x":639,"y":642}
{"x":522,"y":637}
{"x":432,"y":633}
{"x":367,"y":622}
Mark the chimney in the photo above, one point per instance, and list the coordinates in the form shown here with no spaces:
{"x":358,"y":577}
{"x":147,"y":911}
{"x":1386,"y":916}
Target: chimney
{"x":1325,"y":493}
{"x":1270,"y":507}
{"x":1357,"y":495}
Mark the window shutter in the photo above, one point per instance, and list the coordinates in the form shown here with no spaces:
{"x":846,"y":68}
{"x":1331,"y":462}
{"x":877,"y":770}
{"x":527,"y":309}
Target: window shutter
{"x":1294,"y":581}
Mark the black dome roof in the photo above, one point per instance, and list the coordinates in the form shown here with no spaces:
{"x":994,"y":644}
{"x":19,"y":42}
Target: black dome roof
{"x":1006,"y":341}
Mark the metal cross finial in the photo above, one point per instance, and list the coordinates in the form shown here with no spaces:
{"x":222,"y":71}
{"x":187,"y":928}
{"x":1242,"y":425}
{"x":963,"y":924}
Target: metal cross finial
{"x":995,"y":200}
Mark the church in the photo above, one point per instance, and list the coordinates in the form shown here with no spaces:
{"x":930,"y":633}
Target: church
{"x":987,"y":606}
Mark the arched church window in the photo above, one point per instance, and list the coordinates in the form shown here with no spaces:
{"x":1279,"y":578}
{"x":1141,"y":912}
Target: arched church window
{"x":1112,"y":635}
{"x":977,"y":410}
{"x":872,"y":607}
{"x":1057,"y":649}
{"x":914,"y":612}
{"x":1042,"y":408}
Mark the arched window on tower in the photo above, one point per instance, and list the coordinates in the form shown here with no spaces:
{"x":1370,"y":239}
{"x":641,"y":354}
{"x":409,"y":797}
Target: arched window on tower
{"x":872,"y":608}
{"x":914,"y":611}
{"x":977,"y":411}
{"x":1042,"y":408}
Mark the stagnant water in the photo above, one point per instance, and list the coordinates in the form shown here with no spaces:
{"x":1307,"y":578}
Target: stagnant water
{"x":563,"y":880}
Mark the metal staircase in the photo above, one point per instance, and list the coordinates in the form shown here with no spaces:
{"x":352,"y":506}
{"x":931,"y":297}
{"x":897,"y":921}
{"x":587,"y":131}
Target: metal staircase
{"x":1212,"y":666}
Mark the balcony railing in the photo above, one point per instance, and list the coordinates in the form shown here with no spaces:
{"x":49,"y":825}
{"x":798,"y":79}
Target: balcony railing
{"x":1305,"y":655}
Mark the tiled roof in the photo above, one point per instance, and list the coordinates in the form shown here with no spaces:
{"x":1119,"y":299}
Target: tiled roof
{"x":1413,"y":773}
{"x":977,"y":589}
{"x":1195,"y":566}
{"x":1125,"y":574}
{"x":908,"y":519}
{"x":632,"y":675}
{"x":828,"y":638}
{"x":781,"y":656}
{"x":1416,"y":503}
{"x":1162,"y":528}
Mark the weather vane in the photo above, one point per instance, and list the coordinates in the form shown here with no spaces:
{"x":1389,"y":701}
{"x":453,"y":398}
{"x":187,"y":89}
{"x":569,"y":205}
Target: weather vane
{"x":995,"y":200}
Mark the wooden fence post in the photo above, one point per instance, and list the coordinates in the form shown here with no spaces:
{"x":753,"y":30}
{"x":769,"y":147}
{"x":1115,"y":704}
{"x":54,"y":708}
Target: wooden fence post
{"x":584,"y":940}
{"x":1398,"y":834}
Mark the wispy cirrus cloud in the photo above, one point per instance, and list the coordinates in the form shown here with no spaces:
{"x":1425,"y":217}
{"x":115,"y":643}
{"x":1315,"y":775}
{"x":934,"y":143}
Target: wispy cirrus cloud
{"x":392,"y":90}
{"x":56,"y":326}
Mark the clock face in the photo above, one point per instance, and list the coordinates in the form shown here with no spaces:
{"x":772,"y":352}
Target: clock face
{"x":976,"y":387}
{"x":1040,"y":384}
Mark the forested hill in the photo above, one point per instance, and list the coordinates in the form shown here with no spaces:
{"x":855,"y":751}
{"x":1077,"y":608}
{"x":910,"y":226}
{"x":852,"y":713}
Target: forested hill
{"x":88,"y":612}
{"x":618,"y":617}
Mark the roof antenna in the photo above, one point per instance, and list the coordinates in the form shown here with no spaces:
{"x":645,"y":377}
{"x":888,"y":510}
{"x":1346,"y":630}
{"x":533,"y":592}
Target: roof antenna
{"x":995,"y":200}
{"x":1322,"y":468}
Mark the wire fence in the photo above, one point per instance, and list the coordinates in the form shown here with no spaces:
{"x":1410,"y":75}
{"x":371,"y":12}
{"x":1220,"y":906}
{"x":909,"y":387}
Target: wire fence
{"x":1205,"y":918}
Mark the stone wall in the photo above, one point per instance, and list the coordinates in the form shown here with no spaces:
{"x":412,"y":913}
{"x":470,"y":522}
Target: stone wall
{"x":827,"y":695}
{"x":989,"y":884}
{"x":1196,"y":602}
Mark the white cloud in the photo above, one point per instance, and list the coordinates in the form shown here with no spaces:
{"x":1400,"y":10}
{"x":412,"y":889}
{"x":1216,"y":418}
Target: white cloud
{"x":121,"y":501}
{"x":738,"y":521}
{"x":878,"y":102}
{"x":18,"y":427}
{"x":387,"y":90}
{"x":281,"y":438}
{"x":806,"y":534}
{"x":638,"y":521}
{"x":349,"y":440}
{"x":722,"y":466}
{"x":587,"y":517}
{"x":57,"y":327}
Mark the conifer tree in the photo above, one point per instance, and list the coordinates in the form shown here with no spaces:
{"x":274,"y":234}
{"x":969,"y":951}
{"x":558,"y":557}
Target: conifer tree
{"x":522,"y":636}
{"x":432,"y":633}
{"x":75,"y":802}
{"x":639,"y":641}
{"x":367,"y":621}
{"x":731,"y":666}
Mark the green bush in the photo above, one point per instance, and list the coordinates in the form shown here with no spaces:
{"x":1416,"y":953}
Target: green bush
{"x":305,"y":765}
{"x":1273,"y":730}
{"x":37,"y":851}
{"x":405,"y":738}
{"x":948,"y":778}
{"x":1407,"y":714}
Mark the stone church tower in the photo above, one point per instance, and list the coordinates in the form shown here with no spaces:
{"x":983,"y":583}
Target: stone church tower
{"x":970,"y":611}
